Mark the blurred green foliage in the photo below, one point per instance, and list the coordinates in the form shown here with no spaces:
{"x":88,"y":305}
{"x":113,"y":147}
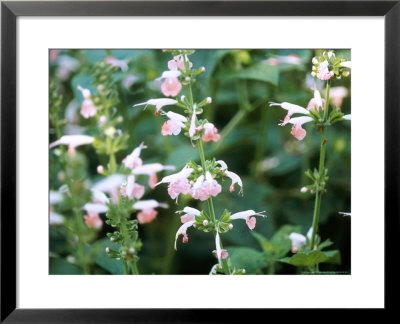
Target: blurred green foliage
{"x":269,"y":160}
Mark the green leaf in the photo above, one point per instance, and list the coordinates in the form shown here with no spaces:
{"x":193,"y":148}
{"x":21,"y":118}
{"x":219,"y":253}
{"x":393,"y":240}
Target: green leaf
{"x":259,"y":72}
{"x":311,"y":258}
{"x":101,"y":258}
{"x":250,"y":259}
{"x":60,"y":266}
{"x":264,"y":243}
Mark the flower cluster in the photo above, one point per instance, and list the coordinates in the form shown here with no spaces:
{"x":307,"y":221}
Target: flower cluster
{"x":327,"y":66}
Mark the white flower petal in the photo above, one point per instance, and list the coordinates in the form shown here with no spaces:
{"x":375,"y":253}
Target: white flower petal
{"x":110,"y":183}
{"x":151,"y":168}
{"x":148,"y":204}
{"x":96,"y":208}
{"x":99,"y":196}
{"x":300,"y":120}
{"x":73,"y":140}
{"x":245,"y":214}
{"x":182,"y":230}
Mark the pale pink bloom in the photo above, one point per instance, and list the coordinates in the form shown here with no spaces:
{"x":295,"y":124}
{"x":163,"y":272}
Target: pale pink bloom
{"x":323,"y":71}
{"x":198,"y":192}
{"x":224,"y":253}
{"x":336,"y":95}
{"x":174,"y":125}
{"x":211,"y":185}
{"x":159,"y":103}
{"x":232,"y":175}
{"x":111,"y":185}
{"x":54,"y":54}
{"x":88,"y":108}
{"x":93,"y":220}
{"x":132,"y":189}
{"x":151,"y":170}
{"x":189,"y":214}
{"x":73,"y":141}
{"x":183,"y":174}
{"x":178,"y":63}
{"x":297,"y":129}
{"x":147,"y":210}
{"x":122,"y":64}
{"x":291,"y":109}
{"x":303,"y":190}
{"x":247,"y":216}
{"x":171,"y":87}
{"x":179,"y":186}
{"x":100,"y":169}
{"x":347,"y":117}
{"x":316,"y":102}
{"x":182,"y":231}
{"x":133,"y":160}
{"x":146,"y":215}
{"x":210,"y":133}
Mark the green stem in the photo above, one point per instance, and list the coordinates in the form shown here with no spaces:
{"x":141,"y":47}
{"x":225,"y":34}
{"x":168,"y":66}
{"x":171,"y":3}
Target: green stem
{"x":203,"y":163}
{"x":126,"y":269}
{"x":135,"y":270}
{"x":321,"y":172}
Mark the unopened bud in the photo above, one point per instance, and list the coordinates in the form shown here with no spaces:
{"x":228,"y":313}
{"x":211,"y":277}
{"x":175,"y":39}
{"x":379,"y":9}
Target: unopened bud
{"x":346,"y":73}
{"x":243,"y":270}
{"x":111,"y":239}
{"x":303,"y":190}
{"x":230,"y":226}
{"x":202,"y":69}
{"x":313,"y":74}
{"x":314,"y":60}
{"x":120,"y":119}
{"x":123,"y":252}
{"x":107,"y":250}
{"x":102,"y":120}
{"x":131,"y":250}
{"x":185,"y":239}
{"x":187,"y":79}
{"x":183,"y":98}
{"x":100,"y":87}
{"x":209,"y":100}
{"x":205,"y":222}
{"x":100,"y":169}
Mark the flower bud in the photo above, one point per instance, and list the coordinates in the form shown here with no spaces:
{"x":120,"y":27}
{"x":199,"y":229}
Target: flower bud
{"x":303,"y":190}
{"x":120,"y":119}
{"x":205,"y":222}
{"x":187,"y":79}
{"x":314,"y":60}
{"x":185,"y":239}
{"x":183,"y":98}
{"x":131,"y":250}
{"x":230,"y":226}
{"x":209,"y":100}
{"x":102,"y":120}
{"x":313,"y":74}
{"x":202,"y":69}
{"x":100,"y":87}
{"x":100,"y":169}
{"x":243,"y":270}
{"x":107,"y":249}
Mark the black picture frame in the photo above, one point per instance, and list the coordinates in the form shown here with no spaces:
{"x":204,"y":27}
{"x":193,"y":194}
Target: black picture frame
{"x":10,"y":11}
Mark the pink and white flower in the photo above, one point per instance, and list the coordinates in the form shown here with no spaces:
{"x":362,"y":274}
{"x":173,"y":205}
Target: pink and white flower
{"x":181,"y":175}
{"x":317,"y":102}
{"x":189,"y":214}
{"x":111,"y":185}
{"x":73,"y":141}
{"x":178,"y":63}
{"x":210,"y":133}
{"x":247,"y":216}
{"x":232,"y":175}
{"x":132,"y":189}
{"x":151,"y":170}
{"x":88,"y":108}
{"x":181,"y":186}
{"x":291,"y":109}
{"x":323,"y":71}
{"x":122,"y":64}
{"x":211,"y":185}
{"x":133,"y":160}
{"x":298,"y":240}
{"x":337,"y":94}
{"x":174,"y":125}
{"x":224,"y":253}
{"x":158,"y":103}
{"x":92,"y":219}
{"x":147,"y":210}
{"x":171,"y":85}
{"x":297,"y":130}
{"x":182,"y":231}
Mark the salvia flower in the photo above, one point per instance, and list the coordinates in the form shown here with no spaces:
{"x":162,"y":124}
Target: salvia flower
{"x":111,"y":185}
{"x":158,"y":103}
{"x":189,"y":214}
{"x":171,"y":85}
{"x":73,"y":141}
{"x":92,"y":219}
{"x":323,"y":72}
{"x":316,"y":102}
{"x":122,"y":64}
{"x":210,"y":133}
{"x":291,"y":109}
{"x":151,"y":170}
{"x":182,"y":231}
{"x":178,"y":63}
{"x":88,"y":108}
{"x":232,"y":175}
{"x":298,"y":240}
{"x":297,"y":130}
{"x":183,"y":174}
{"x":174,"y":125}
{"x":133,"y":160}
{"x":132,"y":189}
{"x":336,"y":95}
{"x":247,"y":216}
{"x":147,"y":210}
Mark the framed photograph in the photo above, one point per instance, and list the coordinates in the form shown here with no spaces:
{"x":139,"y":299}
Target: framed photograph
{"x":191,"y":155}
